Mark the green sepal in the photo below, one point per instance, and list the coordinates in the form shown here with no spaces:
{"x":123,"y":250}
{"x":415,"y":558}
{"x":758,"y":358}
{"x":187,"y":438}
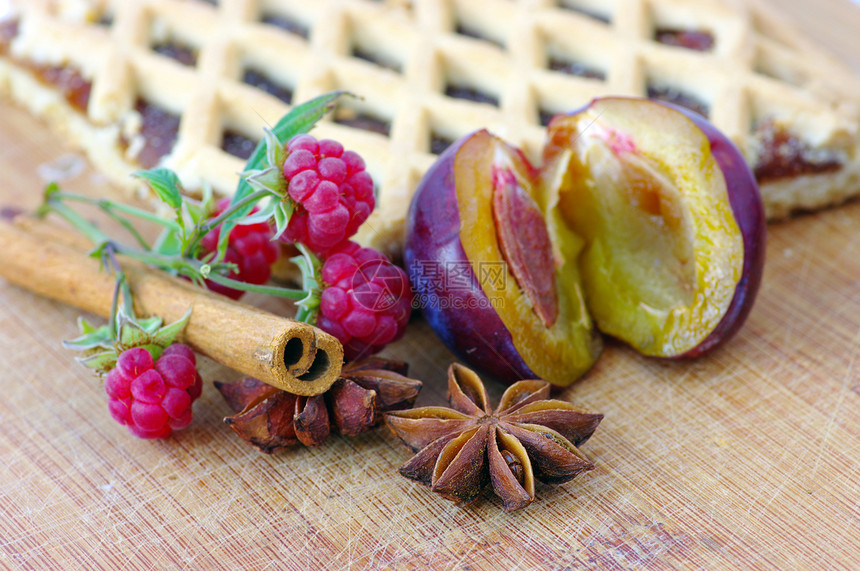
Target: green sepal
{"x":282,"y":214}
{"x":92,"y":337}
{"x":276,"y":153}
{"x":131,"y":332}
{"x":86,"y":327}
{"x":261,"y":215}
{"x":165,"y":183}
{"x":311,"y":267}
{"x":166,"y":335}
{"x":101,"y":362}
{"x":101,"y":350}
{"x":270,"y":179}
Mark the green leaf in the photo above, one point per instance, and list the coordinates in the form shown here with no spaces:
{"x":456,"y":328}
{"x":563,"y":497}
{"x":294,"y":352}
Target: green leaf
{"x":165,"y":183}
{"x":167,"y":334}
{"x":168,"y":243}
{"x":300,"y":119}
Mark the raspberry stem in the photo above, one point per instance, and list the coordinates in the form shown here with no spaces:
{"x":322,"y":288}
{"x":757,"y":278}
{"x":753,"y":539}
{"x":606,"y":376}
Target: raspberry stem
{"x":175,"y":264}
{"x":202,"y":229}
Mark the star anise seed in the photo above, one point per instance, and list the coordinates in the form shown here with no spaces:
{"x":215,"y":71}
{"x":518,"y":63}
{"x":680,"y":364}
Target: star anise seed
{"x":270,"y":419}
{"x":460,"y":450}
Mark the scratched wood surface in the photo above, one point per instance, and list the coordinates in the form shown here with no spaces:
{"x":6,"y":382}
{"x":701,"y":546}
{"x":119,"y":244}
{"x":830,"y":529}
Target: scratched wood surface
{"x":748,"y":459}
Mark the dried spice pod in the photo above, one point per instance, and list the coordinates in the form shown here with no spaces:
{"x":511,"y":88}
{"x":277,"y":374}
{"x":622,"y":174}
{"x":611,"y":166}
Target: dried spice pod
{"x":460,"y":450}
{"x":271,"y":419}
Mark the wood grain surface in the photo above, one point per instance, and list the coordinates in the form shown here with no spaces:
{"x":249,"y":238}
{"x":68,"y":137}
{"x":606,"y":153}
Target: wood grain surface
{"x":747,"y":459}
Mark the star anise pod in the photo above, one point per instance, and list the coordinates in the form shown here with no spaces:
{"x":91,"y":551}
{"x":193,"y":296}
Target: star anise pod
{"x":270,"y":418}
{"x":461,"y":450}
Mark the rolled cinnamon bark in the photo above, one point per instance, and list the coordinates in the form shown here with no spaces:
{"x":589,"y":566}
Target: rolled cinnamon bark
{"x":290,"y":355}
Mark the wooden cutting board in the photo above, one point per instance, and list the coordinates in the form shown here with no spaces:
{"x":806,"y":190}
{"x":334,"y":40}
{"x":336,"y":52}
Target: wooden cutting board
{"x":746,"y":459}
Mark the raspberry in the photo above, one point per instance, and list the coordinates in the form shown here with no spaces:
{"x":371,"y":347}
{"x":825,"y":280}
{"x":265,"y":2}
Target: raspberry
{"x":332,"y":191}
{"x":366,"y":301}
{"x":153,"y":398}
{"x":250,"y":247}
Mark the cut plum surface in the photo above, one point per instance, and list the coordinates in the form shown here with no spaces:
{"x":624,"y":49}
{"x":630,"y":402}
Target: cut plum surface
{"x":664,"y":255}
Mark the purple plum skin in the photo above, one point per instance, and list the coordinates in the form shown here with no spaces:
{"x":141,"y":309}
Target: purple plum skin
{"x":472,"y":330}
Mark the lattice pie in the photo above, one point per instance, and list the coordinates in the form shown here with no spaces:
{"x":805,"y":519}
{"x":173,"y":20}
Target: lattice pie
{"x":190,"y":83}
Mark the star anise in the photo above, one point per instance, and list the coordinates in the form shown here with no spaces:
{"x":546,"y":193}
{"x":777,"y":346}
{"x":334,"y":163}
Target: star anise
{"x":461,"y":450}
{"x":270,"y":418}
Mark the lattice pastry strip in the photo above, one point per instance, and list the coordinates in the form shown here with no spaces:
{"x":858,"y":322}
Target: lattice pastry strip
{"x":189,"y":84}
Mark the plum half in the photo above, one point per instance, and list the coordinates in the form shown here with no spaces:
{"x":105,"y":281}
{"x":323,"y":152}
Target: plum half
{"x":472,"y":221}
{"x":643,"y":221}
{"x":671,"y":217}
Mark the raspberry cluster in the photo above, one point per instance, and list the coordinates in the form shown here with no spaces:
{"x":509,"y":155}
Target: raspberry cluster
{"x":153,"y":397}
{"x":366,"y":301}
{"x":250,"y":247}
{"x":332,"y":191}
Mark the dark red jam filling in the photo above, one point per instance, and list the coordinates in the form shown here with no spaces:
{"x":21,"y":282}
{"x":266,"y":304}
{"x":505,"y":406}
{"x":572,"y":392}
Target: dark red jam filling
{"x":159,"y":129}
{"x":470,"y":94}
{"x":783,"y":155}
{"x":696,"y":40}
{"x":584,"y":11}
{"x":263,"y":82}
{"x":68,"y":81}
{"x":678,"y":97}
{"x":469,"y":32}
{"x":438,"y":143}
{"x":386,"y":63}
{"x":363,"y":121}
{"x":8,"y":31}
{"x":287,"y":24}
{"x":183,"y":54}
{"x":237,"y":144}
{"x":576,"y":68}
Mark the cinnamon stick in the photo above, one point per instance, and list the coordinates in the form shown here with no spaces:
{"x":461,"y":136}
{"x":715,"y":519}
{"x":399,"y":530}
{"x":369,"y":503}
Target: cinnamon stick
{"x":290,"y":355}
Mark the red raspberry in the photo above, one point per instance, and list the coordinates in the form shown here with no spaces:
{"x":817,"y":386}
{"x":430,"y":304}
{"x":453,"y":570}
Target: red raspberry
{"x":366,"y":302}
{"x":153,"y":398}
{"x":250,"y":247}
{"x":332,"y":191}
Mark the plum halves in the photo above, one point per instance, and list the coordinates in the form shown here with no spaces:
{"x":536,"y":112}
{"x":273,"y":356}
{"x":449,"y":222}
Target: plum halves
{"x":644,"y":222}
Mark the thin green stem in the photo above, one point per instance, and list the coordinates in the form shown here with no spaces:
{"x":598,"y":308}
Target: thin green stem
{"x":268,"y":290}
{"x":175,"y":263}
{"x":79,"y":222}
{"x":114,"y":308}
{"x":203,"y":229}
{"x":109,"y":205}
{"x":156,"y":259}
